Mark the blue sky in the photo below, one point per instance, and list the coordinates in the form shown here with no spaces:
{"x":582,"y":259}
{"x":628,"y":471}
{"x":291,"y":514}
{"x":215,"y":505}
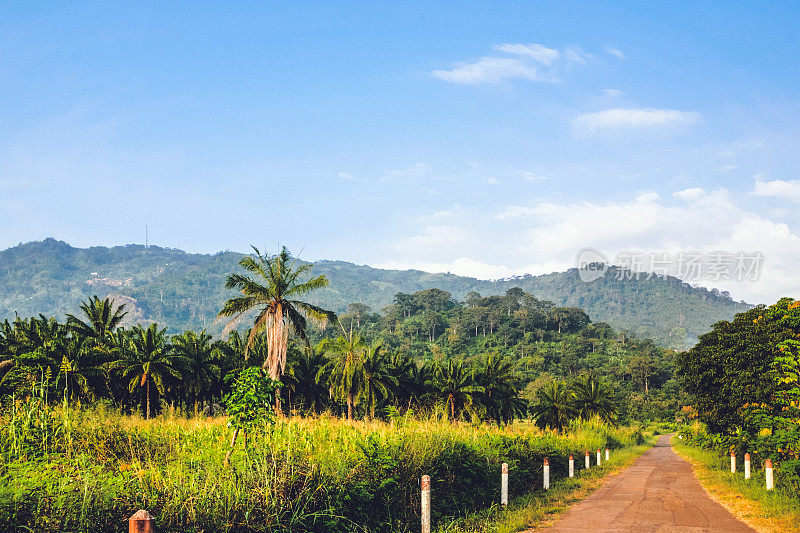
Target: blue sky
{"x":485,"y":139}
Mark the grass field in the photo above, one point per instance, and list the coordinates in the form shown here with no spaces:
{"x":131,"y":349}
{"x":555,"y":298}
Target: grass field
{"x":67,"y":470}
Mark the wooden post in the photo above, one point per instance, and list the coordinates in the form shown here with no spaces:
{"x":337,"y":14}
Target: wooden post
{"x":546,"y":477}
{"x":598,"y":456}
{"x":426,"y":504}
{"x":768,"y":472}
{"x":608,"y":454}
{"x":504,"y":485}
{"x":587,"y":459}
{"x":747,"y":466}
{"x":733,"y":462}
{"x":141,"y":522}
{"x":571,"y":466}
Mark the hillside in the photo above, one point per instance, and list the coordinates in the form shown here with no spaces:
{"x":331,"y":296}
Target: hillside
{"x":183,"y":290}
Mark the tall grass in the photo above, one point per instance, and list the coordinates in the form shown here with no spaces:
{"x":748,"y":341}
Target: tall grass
{"x":88,"y":470}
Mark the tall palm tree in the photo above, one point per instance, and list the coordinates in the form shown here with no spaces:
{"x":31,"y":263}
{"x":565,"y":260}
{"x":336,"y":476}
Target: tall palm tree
{"x":345,"y":369}
{"x":300,"y":378}
{"x":203,"y":371}
{"x":78,"y":374}
{"x":279,"y":280}
{"x":554,"y":409}
{"x":496,"y":377}
{"x":593,"y":398}
{"x":147,"y":361}
{"x":101,"y":319}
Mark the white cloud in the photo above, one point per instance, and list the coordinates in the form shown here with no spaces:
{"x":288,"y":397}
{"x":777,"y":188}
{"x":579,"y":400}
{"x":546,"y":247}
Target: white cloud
{"x":789,"y":190}
{"x":532,"y":176}
{"x":539,"y":53}
{"x":574,"y":54}
{"x":614,"y":52}
{"x":542,"y":237}
{"x":617,"y":120}
{"x":489,"y":70}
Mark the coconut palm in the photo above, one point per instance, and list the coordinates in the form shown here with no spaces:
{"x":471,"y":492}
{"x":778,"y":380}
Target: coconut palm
{"x":146,"y":361}
{"x":593,"y":398}
{"x":554,"y":409}
{"x":279,"y":280}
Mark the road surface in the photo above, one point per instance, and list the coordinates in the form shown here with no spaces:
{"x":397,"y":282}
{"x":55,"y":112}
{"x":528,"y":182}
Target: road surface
{"x":659,"y":492}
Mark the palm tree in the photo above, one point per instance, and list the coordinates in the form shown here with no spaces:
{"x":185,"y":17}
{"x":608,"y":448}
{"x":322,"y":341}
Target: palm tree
{"x":203,"y":371}
{"x":454,"y":384}
{"x":101,"y":321}
{"x":300,"y":378}
{"x":378,"y":381}
{"x":496,"y":377}
{"x":147,"y":360}
{"x":78,"y":372}
{"x":279,"y":281}
{"x":554,"y":409}
{"x":345,"y":369}
{"x":593,"y":398}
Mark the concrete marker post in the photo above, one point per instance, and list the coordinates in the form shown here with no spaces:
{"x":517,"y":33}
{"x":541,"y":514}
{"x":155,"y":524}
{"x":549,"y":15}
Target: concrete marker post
{"x":768,"y":472}
{"x":504,"y":486}
{"x":141,"y":522}
{"x":598,"y":457}
{"x":608,"y":454}
{"x":425,"y":515}
{"x":571,"y":466}
{"x":747,"y":466}
{"x":587,"y":459}
{"x":546,"y":476}
{"x":733,"y":462}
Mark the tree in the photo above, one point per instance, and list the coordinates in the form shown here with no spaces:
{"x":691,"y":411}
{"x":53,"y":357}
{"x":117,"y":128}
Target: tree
{"x":203,"y":371}
{"x":495,"y":378}
{"x":279,"y":281}
{"x":101,"y":320}
{"x":554,"y":408}
{"x":147,"y":361}
{"x":300,"y":378}
{"x":79,"y":375}
{"x":377,"y":381}
{"x":454,"y":384}
{"x":593,"y":398}
{"x":345,"y":369}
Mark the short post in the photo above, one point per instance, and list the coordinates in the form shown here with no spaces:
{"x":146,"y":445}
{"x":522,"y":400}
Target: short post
{"x":587,"y":459}
{"x":426,"y":504}
{"x":747,"y":466}
{"x":546,"y":477}
{"x":571,"y":466}
{"x":768,"y":472}
{"x":598,"y":456}
{"x":141,"y":522}
{"x":504,"y":486}
{"x":608,"y":454}
{"x":733,"y":462}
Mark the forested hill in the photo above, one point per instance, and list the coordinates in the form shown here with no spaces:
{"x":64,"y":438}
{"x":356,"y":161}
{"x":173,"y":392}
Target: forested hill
{"x":185,"y":291}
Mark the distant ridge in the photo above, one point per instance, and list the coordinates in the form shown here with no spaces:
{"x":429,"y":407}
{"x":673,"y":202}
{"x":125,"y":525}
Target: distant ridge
{"x":185,"y":291}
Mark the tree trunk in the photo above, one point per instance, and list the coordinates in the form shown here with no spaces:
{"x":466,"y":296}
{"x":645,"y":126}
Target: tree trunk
{"x":148,"y":400}
{"x":233,"y":443}
{"x":349,"y":406}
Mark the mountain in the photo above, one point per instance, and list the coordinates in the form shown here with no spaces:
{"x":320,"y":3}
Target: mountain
{"x":185,"y":291}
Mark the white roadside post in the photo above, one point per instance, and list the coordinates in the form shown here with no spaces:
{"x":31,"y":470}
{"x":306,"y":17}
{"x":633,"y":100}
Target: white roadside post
{"x":587,"y":459}
{"x":504,"y":486}
{"x":747,"y":466}
{"x":426,"y":504}
{"x":608,"y":454}
{"x":546,"y":477}
{"x":571,"y":466}
{"x":733,"y":462}
{"x":768,"y":472}
{"x":598,"y":456}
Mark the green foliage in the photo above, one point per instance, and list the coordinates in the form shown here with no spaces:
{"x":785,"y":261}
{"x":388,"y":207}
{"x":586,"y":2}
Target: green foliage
{"x":250,"y":402}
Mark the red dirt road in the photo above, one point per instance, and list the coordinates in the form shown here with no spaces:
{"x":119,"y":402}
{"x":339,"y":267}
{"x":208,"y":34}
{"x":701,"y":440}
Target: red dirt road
{"x":659,"y":492}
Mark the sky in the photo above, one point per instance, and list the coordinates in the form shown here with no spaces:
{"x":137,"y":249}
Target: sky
{"x":487,"y":139}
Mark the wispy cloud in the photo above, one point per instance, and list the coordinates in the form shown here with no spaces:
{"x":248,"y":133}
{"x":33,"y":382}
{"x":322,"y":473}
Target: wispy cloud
{"x":788,"y":189}
{"x":406,"y":174}
{"x":533,"y":62}
{"x":634,"y":119}
{"x":489,"y":70}
{"x":539,"y":53}
{"x":614,"y":52}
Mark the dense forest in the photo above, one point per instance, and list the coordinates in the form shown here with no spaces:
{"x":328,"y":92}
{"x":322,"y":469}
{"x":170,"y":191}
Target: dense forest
{"x":184,"y":291}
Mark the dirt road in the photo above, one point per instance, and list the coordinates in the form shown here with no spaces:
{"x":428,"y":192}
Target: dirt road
{"x":658,"y":492}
